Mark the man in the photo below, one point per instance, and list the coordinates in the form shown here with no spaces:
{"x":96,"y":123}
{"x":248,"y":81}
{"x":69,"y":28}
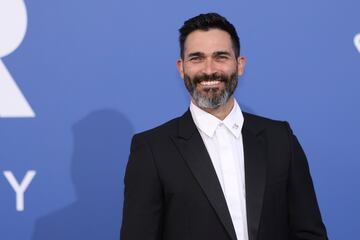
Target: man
{"x":217,"y":172}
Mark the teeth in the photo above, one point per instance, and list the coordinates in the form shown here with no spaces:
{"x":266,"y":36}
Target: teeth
{"x":209,"y":83}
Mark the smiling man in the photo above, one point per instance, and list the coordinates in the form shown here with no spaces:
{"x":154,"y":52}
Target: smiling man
{"x":217,"y":172}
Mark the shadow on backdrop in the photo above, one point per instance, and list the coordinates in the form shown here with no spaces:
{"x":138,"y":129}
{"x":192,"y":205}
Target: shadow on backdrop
{"x":101,"y":149}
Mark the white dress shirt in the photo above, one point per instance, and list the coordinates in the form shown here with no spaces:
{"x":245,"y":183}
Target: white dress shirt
{"x":223,"y":141}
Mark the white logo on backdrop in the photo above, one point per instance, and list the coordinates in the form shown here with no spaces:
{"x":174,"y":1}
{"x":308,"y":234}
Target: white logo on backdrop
{"x":357,"y":41}
{"x":20,"y":188}
{"x":13,"y":24}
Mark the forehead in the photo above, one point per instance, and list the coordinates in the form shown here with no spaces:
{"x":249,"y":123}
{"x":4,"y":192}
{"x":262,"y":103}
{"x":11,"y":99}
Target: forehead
{"x":208,"y":41}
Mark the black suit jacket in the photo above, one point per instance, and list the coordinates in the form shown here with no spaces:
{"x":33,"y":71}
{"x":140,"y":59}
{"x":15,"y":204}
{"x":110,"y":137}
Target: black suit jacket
{"x":172,"y":191}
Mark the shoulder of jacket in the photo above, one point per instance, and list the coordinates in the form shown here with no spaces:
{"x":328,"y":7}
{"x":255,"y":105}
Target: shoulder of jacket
{"x":262,"y":122}
{"x":168,"y":128}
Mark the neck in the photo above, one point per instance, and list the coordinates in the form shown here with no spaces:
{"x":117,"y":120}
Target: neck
{"x":222,"y":111}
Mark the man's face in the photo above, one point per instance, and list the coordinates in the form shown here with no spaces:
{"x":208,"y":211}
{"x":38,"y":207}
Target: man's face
{"x":210,"y":68}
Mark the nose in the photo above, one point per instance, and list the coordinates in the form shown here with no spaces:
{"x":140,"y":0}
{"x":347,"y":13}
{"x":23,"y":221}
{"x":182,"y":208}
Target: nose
{"x":209,"y":66}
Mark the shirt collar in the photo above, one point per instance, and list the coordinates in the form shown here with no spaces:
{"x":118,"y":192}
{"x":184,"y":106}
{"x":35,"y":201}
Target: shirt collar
{"x":208,"y":123}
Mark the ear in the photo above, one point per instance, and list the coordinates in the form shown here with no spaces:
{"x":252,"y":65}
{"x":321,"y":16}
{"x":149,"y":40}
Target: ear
{"x":241,"y":65}
{"x":180,"y":67}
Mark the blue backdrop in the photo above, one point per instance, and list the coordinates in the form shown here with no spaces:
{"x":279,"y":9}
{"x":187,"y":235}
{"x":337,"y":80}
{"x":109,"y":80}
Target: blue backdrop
{"x":96,"y":72}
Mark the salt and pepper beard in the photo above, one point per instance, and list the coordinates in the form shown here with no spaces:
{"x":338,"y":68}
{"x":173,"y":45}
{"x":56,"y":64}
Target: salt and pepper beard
{"x":214,"y":97}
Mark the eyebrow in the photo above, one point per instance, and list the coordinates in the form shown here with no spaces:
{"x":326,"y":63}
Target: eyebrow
{"x":196,"y":54}
{"x":217,"y":53}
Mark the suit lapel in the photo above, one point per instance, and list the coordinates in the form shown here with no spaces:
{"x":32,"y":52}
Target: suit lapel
{"x":255,"y":155}
{"x":193,"y":150}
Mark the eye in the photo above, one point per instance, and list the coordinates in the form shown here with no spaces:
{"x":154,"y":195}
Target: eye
{"x":195,"y":59}
{"x":222,"y":57}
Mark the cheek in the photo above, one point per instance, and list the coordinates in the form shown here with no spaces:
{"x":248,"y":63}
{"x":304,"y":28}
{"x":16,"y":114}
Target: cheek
{"x":192,"y":69}
{"x":231,"y":67}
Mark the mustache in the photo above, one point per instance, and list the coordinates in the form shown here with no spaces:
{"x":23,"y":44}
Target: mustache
{"x":210,"y":77}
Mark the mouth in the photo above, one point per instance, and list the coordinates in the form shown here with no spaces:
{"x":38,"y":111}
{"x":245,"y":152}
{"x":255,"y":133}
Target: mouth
{"x":209,"y":83}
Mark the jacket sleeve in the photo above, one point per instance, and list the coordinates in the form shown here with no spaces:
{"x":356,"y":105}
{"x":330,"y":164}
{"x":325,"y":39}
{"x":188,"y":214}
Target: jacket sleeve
{"x":143,"y":202}
{"x":304,"y":214}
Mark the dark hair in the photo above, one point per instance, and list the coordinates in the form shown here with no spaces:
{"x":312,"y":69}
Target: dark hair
{"x":205,"y":22}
